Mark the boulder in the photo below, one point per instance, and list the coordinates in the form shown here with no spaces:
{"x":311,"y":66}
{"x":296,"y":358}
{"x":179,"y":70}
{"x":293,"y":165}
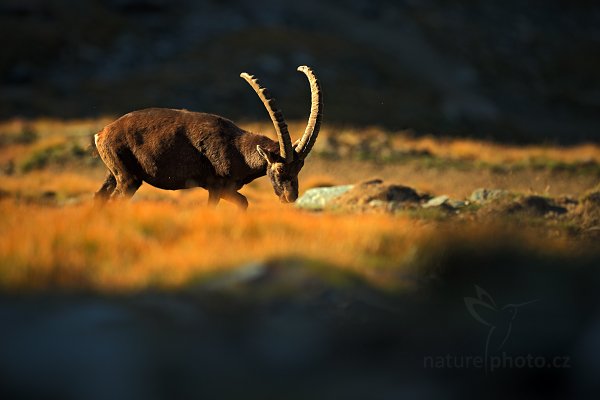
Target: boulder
{"x":437,"y":201}
{"x":319,"y":198}
{"x":375,"y":194}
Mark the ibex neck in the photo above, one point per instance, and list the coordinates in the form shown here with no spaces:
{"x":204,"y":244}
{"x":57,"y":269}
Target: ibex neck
{"x":247,"y":143}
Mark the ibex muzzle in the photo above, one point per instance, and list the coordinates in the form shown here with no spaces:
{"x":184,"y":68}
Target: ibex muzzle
{"x":177,"y":149}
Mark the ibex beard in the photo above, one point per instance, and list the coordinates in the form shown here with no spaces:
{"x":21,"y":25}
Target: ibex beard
{"x":177,"y":149}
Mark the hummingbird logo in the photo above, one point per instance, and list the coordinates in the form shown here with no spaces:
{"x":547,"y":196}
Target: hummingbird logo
{"x":498,"y":319}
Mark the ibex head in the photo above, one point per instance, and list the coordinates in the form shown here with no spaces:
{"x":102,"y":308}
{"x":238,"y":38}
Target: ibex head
{"x":283,"y":167}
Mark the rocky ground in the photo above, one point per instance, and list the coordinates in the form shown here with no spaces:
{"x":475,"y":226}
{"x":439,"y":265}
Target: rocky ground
{"x":572,"y":215}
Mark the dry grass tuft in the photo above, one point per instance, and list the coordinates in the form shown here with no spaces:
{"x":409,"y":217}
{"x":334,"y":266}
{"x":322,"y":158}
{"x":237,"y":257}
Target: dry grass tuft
{"x":482,"y":151}
{"x":588,"y":211}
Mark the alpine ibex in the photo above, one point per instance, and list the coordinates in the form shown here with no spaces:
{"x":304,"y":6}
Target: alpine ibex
{"x":177,"y":149}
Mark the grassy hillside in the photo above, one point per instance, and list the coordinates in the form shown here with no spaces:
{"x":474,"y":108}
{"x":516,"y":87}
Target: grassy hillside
{"x":170,"y":239}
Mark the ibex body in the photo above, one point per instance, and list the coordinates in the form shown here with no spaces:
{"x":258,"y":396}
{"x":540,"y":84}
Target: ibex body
{"x":177,"y":149}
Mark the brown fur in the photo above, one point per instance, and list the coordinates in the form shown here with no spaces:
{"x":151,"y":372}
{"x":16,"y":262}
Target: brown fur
{"x":177,"y":149}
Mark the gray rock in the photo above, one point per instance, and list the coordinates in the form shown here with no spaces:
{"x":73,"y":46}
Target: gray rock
{"x":482,"y":195}
{"x":436,"y":201}
{"x":378,"y":203}
{"x":242,"y":275}
{"x":457,"y":203}
{"x":318,"y":198}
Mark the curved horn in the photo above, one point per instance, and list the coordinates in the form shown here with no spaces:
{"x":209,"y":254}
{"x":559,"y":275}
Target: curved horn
{"x":316,"y":113}
{"x":285,"y":142}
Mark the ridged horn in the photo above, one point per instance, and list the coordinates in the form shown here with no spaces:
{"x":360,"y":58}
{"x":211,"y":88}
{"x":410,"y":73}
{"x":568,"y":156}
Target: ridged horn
{"x":285,"y":142}
{"x":316,"y":113}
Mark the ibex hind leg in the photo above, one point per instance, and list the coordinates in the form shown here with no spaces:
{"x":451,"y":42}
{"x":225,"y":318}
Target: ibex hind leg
{"x":106,"y":190}
{"x":122,"y":167}
{"x":126,"y":187}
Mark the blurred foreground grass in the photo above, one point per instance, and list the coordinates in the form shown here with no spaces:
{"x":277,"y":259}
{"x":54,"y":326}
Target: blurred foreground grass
{"x":141,"y":245}
{"x":132,"y":246}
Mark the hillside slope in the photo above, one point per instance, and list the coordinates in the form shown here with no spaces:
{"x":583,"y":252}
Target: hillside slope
{"x":509,"y":70}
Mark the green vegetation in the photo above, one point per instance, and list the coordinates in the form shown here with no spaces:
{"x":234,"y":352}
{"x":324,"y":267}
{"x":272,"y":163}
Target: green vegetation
{"x":27,"y":135}
{"x":53,"y":155}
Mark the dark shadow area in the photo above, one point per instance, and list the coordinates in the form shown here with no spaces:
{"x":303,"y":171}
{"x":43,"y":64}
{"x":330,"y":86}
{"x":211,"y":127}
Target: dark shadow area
{"x":290,"y":329}
{"x":510,"y":71}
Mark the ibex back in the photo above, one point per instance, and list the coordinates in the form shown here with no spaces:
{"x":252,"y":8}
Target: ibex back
{"x":177,"y":149}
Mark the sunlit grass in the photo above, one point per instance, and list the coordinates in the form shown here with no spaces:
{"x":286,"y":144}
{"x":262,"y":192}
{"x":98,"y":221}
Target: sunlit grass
{"x":145,"y":244}
{"x":48,"y":127}
{"x":483,"y":151}
{"x":443,"y":147}
{"x":51,"y":236}
{"x":65,"y":184}
{"x":136,"y":245}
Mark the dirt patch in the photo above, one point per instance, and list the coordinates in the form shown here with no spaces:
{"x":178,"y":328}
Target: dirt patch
{"x":536,"y":205}
{"x":533,"y":206}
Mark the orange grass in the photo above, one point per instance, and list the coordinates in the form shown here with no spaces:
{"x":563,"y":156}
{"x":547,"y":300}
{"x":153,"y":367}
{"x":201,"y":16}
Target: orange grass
{"x":136,"y":245}
{"x":168,"y":239}
{"x":46,"y":127}
{"x":494,"y":153}
{"x":132,"y":246}
{"x":65,"y":183}
{"x":452,"y":148}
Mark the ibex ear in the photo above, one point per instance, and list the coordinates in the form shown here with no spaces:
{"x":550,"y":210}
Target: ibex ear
{"x":267,"y":155}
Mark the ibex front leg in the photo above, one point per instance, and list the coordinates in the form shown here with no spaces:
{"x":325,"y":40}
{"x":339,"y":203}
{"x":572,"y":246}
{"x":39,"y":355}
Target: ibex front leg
{"x":236,"y":198}
{"x":214,"y":196}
